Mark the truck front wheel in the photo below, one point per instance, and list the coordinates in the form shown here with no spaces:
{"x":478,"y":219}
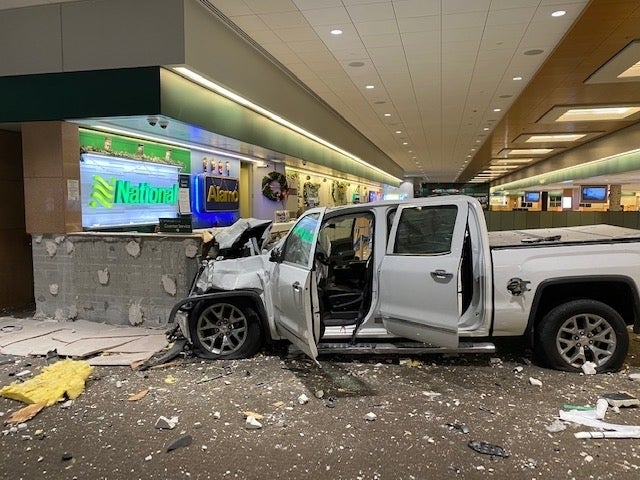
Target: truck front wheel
{"x":225,"y":330}
{"x":582,"y":331}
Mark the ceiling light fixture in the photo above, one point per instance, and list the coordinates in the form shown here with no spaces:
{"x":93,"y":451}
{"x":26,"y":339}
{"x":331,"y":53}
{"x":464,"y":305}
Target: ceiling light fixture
{"x":632,"y":71}
{"x":558,"y":13}
{"x":555,"y":137}
{"x":369,"y":87}
{"x":598,"y":113}
{"x":387,"y":114}
{"x":497,"y":109}
{"x":398,"y":131}
{"x":517,"y":79}
{"x":336,"y":31}
{"x":527,"y":151}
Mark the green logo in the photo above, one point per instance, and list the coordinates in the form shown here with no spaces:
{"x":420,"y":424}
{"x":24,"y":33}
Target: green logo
{"x":103,"y":192}
{"x":109,"y":192}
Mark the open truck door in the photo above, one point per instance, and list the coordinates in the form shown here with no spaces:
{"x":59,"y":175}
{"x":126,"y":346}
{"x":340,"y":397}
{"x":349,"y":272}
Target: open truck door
{"x":295,"y":296}
{"x":419,"y":273}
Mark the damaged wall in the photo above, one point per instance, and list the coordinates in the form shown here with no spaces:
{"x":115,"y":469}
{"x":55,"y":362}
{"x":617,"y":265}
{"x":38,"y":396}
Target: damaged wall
{"x":120,"y":279}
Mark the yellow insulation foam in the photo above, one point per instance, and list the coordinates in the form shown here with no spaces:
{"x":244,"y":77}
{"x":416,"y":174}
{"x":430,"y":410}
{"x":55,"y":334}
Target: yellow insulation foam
{"x":63,"y":378}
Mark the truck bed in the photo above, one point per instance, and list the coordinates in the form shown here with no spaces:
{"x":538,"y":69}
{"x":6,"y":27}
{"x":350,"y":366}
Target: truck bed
{"x":562,"y":235}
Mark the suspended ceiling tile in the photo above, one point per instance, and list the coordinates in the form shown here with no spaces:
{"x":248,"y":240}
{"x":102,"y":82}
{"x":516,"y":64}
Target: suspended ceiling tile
{"x":265,"y":37}
{"x":511,"y":16}
{"x":463,"y":20}
{"x":419,"y":24}
{"x":462,"y":34}
{"x":249,"y":23}
{"x":371,"y":12}
{"x":422,"y":40}
{"x":378,"y":27}
{"x":271,"y":6}
{"x":376,"y":41}
{"x":296,"y":34}
{"x":513,"y":4}
{"x":314,"y":4}
{"x":232,"y":8}
{"x":416,"y":8}
{"x":462,"y":6}
{"x":284,"y":20}
{"x":327,"y":16}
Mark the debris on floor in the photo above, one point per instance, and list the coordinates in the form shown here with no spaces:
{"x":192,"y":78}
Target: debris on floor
{"x":179,"y":442}
{"x":621,"y":399}
{"x":98,"y":343}
{"x":487,"y":448}
{"x":63,"y":379}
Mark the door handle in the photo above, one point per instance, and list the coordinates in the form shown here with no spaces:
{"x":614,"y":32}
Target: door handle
{"x":296,"y":287}
{"x":441,"y":274}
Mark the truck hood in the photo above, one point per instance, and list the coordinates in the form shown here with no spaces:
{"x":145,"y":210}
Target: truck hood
{"x":234,"y":274}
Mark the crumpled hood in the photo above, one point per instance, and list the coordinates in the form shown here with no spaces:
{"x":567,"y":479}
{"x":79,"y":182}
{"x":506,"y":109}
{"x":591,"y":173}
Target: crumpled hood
{"x":248,"y":273}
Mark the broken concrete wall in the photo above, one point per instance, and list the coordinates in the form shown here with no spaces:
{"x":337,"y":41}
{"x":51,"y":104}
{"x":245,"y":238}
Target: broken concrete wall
{"x":116,"y":278}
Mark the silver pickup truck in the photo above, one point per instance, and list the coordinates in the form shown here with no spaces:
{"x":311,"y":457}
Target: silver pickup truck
{"x":422,"y":275}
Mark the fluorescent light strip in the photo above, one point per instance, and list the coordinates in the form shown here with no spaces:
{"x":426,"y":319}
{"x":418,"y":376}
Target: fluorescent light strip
{"x":129,"y":133}
{"x":632,"y":71}
{"x":598,"y":113}
{"x":558,"y":137}
{"x":276,"y":118}
{"x":529,"y":151}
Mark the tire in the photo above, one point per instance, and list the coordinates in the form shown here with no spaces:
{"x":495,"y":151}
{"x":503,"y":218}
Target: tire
{"x":582,"y":331}
{"x":225,"y":330}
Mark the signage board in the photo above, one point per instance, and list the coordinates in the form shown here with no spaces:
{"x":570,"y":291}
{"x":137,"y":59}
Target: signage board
{"x":220,"y":194}
{"x":181,"y":224}
{"x":117,"y":191}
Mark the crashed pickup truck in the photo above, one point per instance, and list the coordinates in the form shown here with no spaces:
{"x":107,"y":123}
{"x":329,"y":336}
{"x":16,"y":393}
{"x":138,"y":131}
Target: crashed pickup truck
{"x":422,"y":275}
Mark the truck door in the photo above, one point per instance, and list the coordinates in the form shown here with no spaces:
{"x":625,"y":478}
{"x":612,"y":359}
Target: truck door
{"x":419,"y":273}
{"x":295,"y":290}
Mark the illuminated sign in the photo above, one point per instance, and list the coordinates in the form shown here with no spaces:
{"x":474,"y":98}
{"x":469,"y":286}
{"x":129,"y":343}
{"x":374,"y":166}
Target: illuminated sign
{"x":220,"y":194}
{"x":112,"y":191}
{"x":118,"y":191}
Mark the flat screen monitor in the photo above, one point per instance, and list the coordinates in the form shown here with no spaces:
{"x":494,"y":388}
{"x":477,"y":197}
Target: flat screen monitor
{"x":593,"y":193}
{"x":531,"y":197}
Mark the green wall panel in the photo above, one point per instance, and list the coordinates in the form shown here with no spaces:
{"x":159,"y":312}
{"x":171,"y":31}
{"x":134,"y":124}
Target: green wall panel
{"x":69,"y":95}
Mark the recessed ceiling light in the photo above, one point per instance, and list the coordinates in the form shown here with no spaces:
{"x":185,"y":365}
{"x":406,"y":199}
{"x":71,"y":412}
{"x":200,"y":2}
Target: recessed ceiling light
{"x":558,"y":13}
{"x":598,"y":113}
{"x":534,"y":51}
{"x":336,"y":31}
{"x":387,"y":114}
{"x":527,"y":151}
{"x":486,"y":129}
{"x":497,"y":109}
{"x":405,"y":143}
{"x":468,"y":156}
{"x":555,"y":137}
{"x":379,"y":102}
{"x":369,"y":87}
{"x":500,"y":161}
{"x":356,"y":64}
{"x":517,"y":79}
{"x":398,"y":131}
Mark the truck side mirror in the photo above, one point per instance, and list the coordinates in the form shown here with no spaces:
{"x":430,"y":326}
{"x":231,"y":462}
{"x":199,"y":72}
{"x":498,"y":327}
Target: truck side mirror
{"x":276,"y":255}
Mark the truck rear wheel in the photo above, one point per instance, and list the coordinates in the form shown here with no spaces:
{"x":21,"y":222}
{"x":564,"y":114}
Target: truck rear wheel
{"x":582,"y":331}
{"x":225,"y":330}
